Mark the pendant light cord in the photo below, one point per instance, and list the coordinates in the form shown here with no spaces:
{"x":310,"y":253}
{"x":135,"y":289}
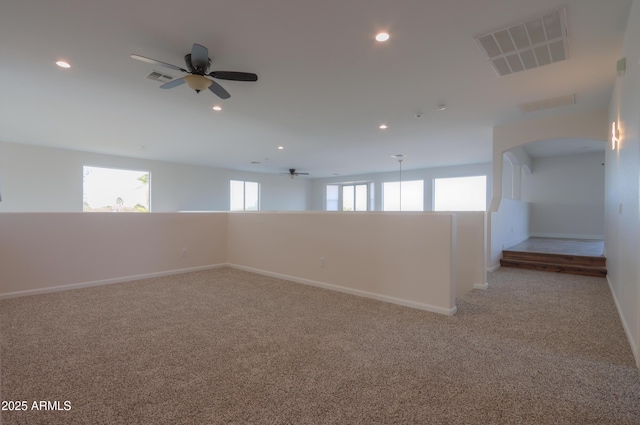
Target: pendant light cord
{"x":400,"y":191}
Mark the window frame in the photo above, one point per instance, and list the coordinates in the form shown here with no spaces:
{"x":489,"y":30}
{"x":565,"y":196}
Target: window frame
{"x":244,"y":195}
{"x":340,"y":200}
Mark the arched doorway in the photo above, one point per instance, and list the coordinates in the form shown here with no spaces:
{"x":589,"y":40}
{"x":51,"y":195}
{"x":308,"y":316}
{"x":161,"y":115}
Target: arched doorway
{"x":519,"y":146}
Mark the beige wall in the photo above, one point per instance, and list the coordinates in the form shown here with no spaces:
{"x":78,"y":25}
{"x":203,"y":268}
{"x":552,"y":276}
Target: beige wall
{"x":40,"y":252}
{"x":399,"y":257}
{"x":422,"y":260}
{"x":407,"y":258}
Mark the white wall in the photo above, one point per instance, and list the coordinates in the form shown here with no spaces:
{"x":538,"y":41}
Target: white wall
{"x":426,"y":174}
{"x":566,"y":194}
{"x":39,"y":179}
{"x":516,"y":166}
{"x":589,"y":125}
{"x":508,"y":177}
{"x":509,"y":226}
{"x":508,"y":139}
{"x":471,"y":240}
{"x":622,"y":214}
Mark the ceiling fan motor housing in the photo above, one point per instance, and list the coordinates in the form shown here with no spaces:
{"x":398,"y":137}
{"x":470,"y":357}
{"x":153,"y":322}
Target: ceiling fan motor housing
{"x":200,"y":70}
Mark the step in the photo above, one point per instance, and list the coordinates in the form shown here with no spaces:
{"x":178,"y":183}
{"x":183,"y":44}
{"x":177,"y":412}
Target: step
{"x":561,"y":259}
{"x":584,"y":270}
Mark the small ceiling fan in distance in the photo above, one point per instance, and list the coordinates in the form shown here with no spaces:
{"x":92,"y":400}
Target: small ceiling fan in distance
{"x":293,"y":173}
{"x":198,"y":63}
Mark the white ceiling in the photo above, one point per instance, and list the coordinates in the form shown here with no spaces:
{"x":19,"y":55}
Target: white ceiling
{"x":324,"y":84}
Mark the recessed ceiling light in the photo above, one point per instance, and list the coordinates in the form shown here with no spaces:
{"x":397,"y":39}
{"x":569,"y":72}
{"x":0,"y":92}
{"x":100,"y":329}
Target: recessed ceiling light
{"x":280,"y":147}
{"x":383,"y":127}
{"x":383,"y":36}
{"x":63,"y":64}
{"x":441,"y":107}
{"x":217,"y":108}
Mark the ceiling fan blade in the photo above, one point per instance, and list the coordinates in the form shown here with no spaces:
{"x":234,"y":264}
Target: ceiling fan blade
{"x":234,"y":76}
{"x":200,"y":57}
{"x":219,"y":91}
{"x":173,"y":83}
{"x":156,"y":62}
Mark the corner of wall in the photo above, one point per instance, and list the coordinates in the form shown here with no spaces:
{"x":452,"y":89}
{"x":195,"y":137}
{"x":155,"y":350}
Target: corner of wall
{"x":633,"y":340}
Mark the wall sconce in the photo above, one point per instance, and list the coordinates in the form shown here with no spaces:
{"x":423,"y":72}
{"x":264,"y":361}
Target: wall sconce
{"x":615,"y":135}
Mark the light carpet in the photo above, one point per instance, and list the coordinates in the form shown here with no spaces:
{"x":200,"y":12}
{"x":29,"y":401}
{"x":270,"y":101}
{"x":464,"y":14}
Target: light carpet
{"x":225,"y":346}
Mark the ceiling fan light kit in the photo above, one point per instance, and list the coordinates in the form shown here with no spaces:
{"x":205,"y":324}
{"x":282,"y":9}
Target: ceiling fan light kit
{"x":197,"y":82}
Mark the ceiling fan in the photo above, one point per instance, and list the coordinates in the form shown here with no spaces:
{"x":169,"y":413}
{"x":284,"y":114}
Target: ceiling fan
{"x":293,"y":173}
{"x":197,"y":63}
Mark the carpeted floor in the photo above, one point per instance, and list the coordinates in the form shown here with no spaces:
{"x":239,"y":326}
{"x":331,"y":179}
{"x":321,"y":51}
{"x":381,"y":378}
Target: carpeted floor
{"x":230,"y":347}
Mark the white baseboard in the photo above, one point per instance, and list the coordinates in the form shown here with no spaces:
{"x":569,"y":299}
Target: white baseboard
{"x":357,"y":292}
{"x":565,"y":236}
{"x":493,"y":268}
{"x":105,"y":281}
{"x":481,"y":285}
{"x":625,"y":326}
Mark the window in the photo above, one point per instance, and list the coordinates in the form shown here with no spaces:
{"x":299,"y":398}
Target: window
{"x":348,"y":197}
{"x":354,"y":197}
{"x":460,"y":194}
{"x":111,"y":189}
{"x":245,"y":196}
{"x":411,"y":198}
{"x":333,"y":197}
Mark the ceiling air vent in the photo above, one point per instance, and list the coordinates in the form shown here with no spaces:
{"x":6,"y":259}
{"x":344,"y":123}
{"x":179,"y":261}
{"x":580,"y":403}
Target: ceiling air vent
{"x":157,"y":76}
{"x":548,"y":103}
{"x":526,"y":45}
